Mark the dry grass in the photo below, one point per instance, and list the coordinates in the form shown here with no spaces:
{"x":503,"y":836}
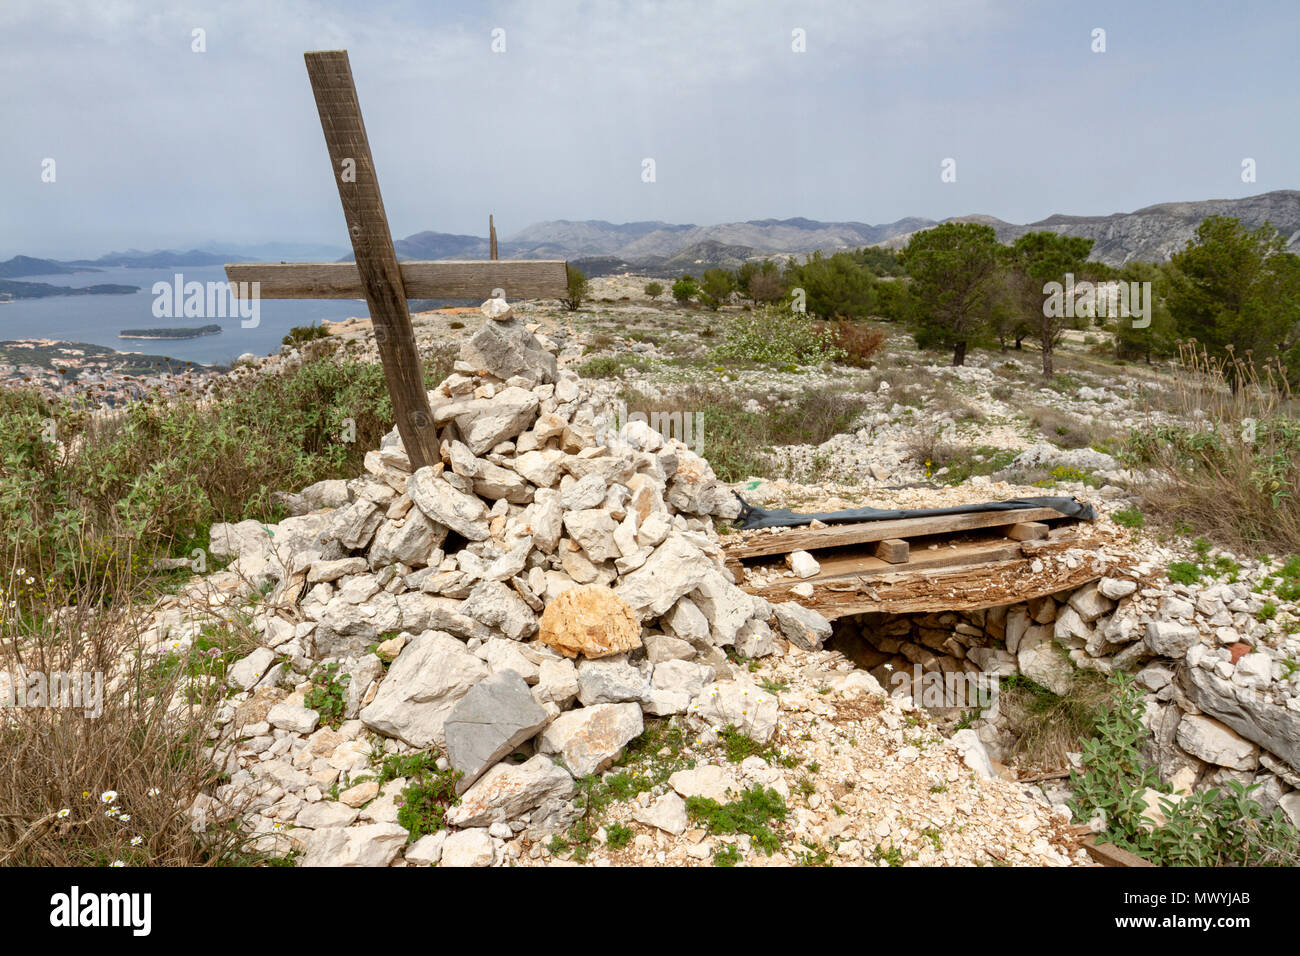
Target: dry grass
{"x":1232,"y":476}
{"x":148,"y":741}
{"x":1048,"y":726}
{"x":1066,"y":430}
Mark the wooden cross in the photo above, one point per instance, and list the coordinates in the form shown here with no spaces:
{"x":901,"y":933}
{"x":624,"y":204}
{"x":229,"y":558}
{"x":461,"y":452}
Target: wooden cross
{"x":377,"y":276}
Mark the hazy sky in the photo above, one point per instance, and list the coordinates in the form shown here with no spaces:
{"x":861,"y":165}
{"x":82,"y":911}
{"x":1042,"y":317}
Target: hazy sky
{"x":159,"y":146}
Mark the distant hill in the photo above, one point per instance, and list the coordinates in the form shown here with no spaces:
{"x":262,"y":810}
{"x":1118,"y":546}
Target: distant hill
{"x":27,"y":266}
{"x":43,"y":290}
{"x":1154,"y":233}
{"x":160,"y":258}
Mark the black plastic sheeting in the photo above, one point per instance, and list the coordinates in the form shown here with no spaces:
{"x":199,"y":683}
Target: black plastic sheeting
{"x":751,"y":516}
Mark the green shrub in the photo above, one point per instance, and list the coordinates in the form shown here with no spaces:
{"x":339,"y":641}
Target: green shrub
{"x":328,"y":695}
{"x":577,"y":289}
{"x":617,"y":836}
{"x":685,"y":289}
{"x":1209,"y":828}
{"x":148,"y":480}
{"x":773,"y":336}
{"x":300,"y":334}
{"x":1129,"y":518}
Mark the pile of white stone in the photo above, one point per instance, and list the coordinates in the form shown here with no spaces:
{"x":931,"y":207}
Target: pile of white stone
{"x":541,"y":589}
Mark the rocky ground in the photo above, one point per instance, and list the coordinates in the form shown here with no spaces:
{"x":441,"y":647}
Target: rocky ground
{"x":475,"y":610}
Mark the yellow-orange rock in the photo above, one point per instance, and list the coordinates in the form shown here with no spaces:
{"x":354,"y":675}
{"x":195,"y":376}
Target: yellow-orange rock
{"x":592,"y":621}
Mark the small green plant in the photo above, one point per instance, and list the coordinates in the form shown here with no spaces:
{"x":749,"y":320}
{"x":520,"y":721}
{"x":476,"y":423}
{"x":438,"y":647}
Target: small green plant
{"x":654,"y":290}
{"x":813,"y":854}
{"x":1209,"y":828}
{"x":617,"y":836}
{"x":305,"y":333}
{"x":891,"y":855}
{"x":753,"y":813}
{"x":424,"y":803}
{"x":328,"y":695}
{"x":1184,"y":572}
{"x":727,"y":854}
{"x":774,"y":687}
{"x":1129,"y":518}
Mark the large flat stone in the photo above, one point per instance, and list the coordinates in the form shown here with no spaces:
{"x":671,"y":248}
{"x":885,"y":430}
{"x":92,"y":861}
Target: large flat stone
{"x":488,"y":723}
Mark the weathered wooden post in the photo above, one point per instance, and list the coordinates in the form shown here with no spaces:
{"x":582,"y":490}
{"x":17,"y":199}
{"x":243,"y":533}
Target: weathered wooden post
{"x":377,"y":276}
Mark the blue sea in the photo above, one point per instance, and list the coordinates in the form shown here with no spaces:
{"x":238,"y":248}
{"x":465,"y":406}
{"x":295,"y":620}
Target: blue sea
{"x":97,"y":319}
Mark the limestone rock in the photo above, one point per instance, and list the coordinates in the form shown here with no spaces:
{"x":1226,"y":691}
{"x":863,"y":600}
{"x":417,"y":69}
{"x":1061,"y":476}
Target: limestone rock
{"x":468,"y":848}
{"x":1216,"y":743}
{"x":801,"y":626}
{"x":668,"y":813}
{"x":747,"y":708}
{"x":376,"y":844}
{"x":505,"y":348}
{"x":507,"y":791}
{"x":488,"y":723}
{"x":672,"y":571}
{"x":497,"y":605}
{"x":709,"y":781}
{"x":462,"y":513}
{"x":431,"y":674}
{"x":610,"y":682}
{"x":591,"y":620}
{"x":587,"y":740}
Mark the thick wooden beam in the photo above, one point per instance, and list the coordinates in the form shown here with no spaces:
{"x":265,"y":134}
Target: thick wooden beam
{"x":1027,"y":531}
{"x":811,"y":539}
{"x":492,"y":238}
{"x":519,"y":279}
{"x":372,"y":245}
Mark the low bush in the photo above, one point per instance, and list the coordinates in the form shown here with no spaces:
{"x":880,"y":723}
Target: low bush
{"x":773,"y":336}
{"x":1234,"y":475}
{"x":1210,"y":828}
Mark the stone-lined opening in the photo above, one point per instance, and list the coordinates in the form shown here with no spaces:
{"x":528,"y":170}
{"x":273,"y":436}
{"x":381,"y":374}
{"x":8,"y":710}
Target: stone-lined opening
{"x":951,"y":662}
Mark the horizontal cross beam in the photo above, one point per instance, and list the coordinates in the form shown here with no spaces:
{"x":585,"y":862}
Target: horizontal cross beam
{"x":517,"y":279}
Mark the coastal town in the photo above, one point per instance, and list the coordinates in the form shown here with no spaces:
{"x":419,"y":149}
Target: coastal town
{"x":103,"y":376}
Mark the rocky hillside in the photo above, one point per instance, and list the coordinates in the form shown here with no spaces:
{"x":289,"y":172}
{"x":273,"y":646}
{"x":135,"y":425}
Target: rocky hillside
{"x":1150,"y":234}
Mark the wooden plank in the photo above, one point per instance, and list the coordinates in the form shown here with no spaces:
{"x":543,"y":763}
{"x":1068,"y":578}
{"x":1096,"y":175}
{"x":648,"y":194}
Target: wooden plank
{"x":1110,"y":855}
{"x":492,"y":238}
{"x":372,"y":246}
{"x":478,"y":279}
{"x":958,"y":588}
{"x":811,"y":539}
{"x":841,"y":567}
{"x":893,"y":550}
{"x":1027,"y":531}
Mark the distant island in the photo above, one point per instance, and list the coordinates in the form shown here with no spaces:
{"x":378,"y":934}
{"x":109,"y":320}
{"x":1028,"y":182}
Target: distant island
{"x":191,"y":333}
{"x":41,"y":290}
